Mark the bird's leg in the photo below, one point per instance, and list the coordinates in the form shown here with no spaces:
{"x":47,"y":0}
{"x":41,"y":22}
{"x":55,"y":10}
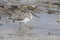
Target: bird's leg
{"x":19,"y":29}
{"x":20,"y":32}
{"x":20,"y":25}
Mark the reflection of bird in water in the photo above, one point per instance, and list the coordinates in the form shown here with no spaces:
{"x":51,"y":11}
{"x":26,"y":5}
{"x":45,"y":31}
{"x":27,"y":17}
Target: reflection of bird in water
{"x":21,"y":14}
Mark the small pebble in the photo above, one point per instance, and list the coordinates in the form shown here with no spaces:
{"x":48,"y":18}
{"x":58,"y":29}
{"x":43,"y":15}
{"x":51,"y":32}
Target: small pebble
{"x":58,"y":20}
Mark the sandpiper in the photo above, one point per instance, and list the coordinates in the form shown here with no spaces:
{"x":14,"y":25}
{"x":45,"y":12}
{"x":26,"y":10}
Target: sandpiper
{"x":22,"y":13}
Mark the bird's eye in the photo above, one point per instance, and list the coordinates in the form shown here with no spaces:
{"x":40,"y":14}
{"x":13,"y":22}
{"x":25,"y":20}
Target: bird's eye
{"x":30,"y":8}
